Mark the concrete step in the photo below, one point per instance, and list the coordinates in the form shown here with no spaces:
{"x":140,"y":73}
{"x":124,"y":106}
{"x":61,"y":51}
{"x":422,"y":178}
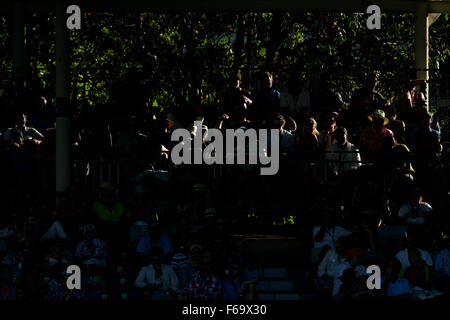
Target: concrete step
{"x":275,"y":285}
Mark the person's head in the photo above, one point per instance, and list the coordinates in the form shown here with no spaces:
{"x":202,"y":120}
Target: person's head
{"x":378,"y":119}
{"x":155,"y":256}
{"x":427,"y":120}
{"x":411,"y":243}
{"x":90,"y":232}
{"x":17,"y":137}
{"x":207,"y":261}
{"x":266,"y":80}
{"x":394,"y":266}
{"x":278,"y":122}
{"x":416,"y":196}
{"x":20,"y":120}
{"x":341,"y":136}
{"x":290,"y":125}
{"x":414,"y":257}
{"x":352,"y":256}
{"x":391,"y":112}
{"x":310,"y":126}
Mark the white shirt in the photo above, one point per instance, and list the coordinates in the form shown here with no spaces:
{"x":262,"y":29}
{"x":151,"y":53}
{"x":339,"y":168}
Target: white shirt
{"x":329,"y":263}
{"x":343,"y":160}
{"x":402,"y":256}
{"x":415,"y":214}
{"x":168,"y":278}
{"x":331,"y":235}
{"x":294,"y":104}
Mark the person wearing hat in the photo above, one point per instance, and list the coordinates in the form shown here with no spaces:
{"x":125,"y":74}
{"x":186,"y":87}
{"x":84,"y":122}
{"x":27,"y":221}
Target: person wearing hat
{"x":372,"y":137}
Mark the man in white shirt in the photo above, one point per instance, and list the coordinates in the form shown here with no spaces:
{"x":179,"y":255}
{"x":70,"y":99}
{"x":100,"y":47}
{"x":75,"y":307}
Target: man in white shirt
{"x":294,"y":99}
{"x":403,"y":255}
{"x":343,"y":156}
{"x":329,"y":264}
{"x":158,"y":280}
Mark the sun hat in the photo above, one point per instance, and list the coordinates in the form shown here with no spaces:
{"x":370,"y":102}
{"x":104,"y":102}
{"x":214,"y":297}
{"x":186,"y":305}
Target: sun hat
{"x":378,"y":114}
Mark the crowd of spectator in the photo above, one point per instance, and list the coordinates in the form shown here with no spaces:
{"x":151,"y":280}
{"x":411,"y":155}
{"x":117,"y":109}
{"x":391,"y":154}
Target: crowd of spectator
{"x":164,"y":232}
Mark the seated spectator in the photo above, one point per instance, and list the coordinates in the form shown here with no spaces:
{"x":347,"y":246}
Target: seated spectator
{"x":154,"y":238}
{"x":295,"y":100}
{"x":371,"y":138}
{"x":308,"y":139}
{"x":326,"y":235}
{"x":442,"y":267}
{"x":60,"y":292}
{"x":204,"y":284}
{"x":58,"y":255}
{"x":392,"y":284}
{"x":29,"y":134}
{"x":107,"y":208}
{"x":238,"y":285}
{"x":7,"y":286}
{"x":403,"y":255}
{"x":351,"y":262}
{"x":158,"y":280}
{"x":182,"y":265}
{"x":91,"y":250}
{"x":327,"y":267}
{"x":418,"y":274}
{"x":326,"y":135}
{"x":397,"y":127}
{"x":416,"y":211}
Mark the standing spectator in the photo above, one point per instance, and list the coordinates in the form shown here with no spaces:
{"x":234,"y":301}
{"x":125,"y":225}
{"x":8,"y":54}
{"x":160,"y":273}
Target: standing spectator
{"x":266,"y":101}
{"x":371,"y":139}
{"x":397,"y":127}
{"x":326,"y":135}
{"x":295,"y":100}
{"x":405,"y":102}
